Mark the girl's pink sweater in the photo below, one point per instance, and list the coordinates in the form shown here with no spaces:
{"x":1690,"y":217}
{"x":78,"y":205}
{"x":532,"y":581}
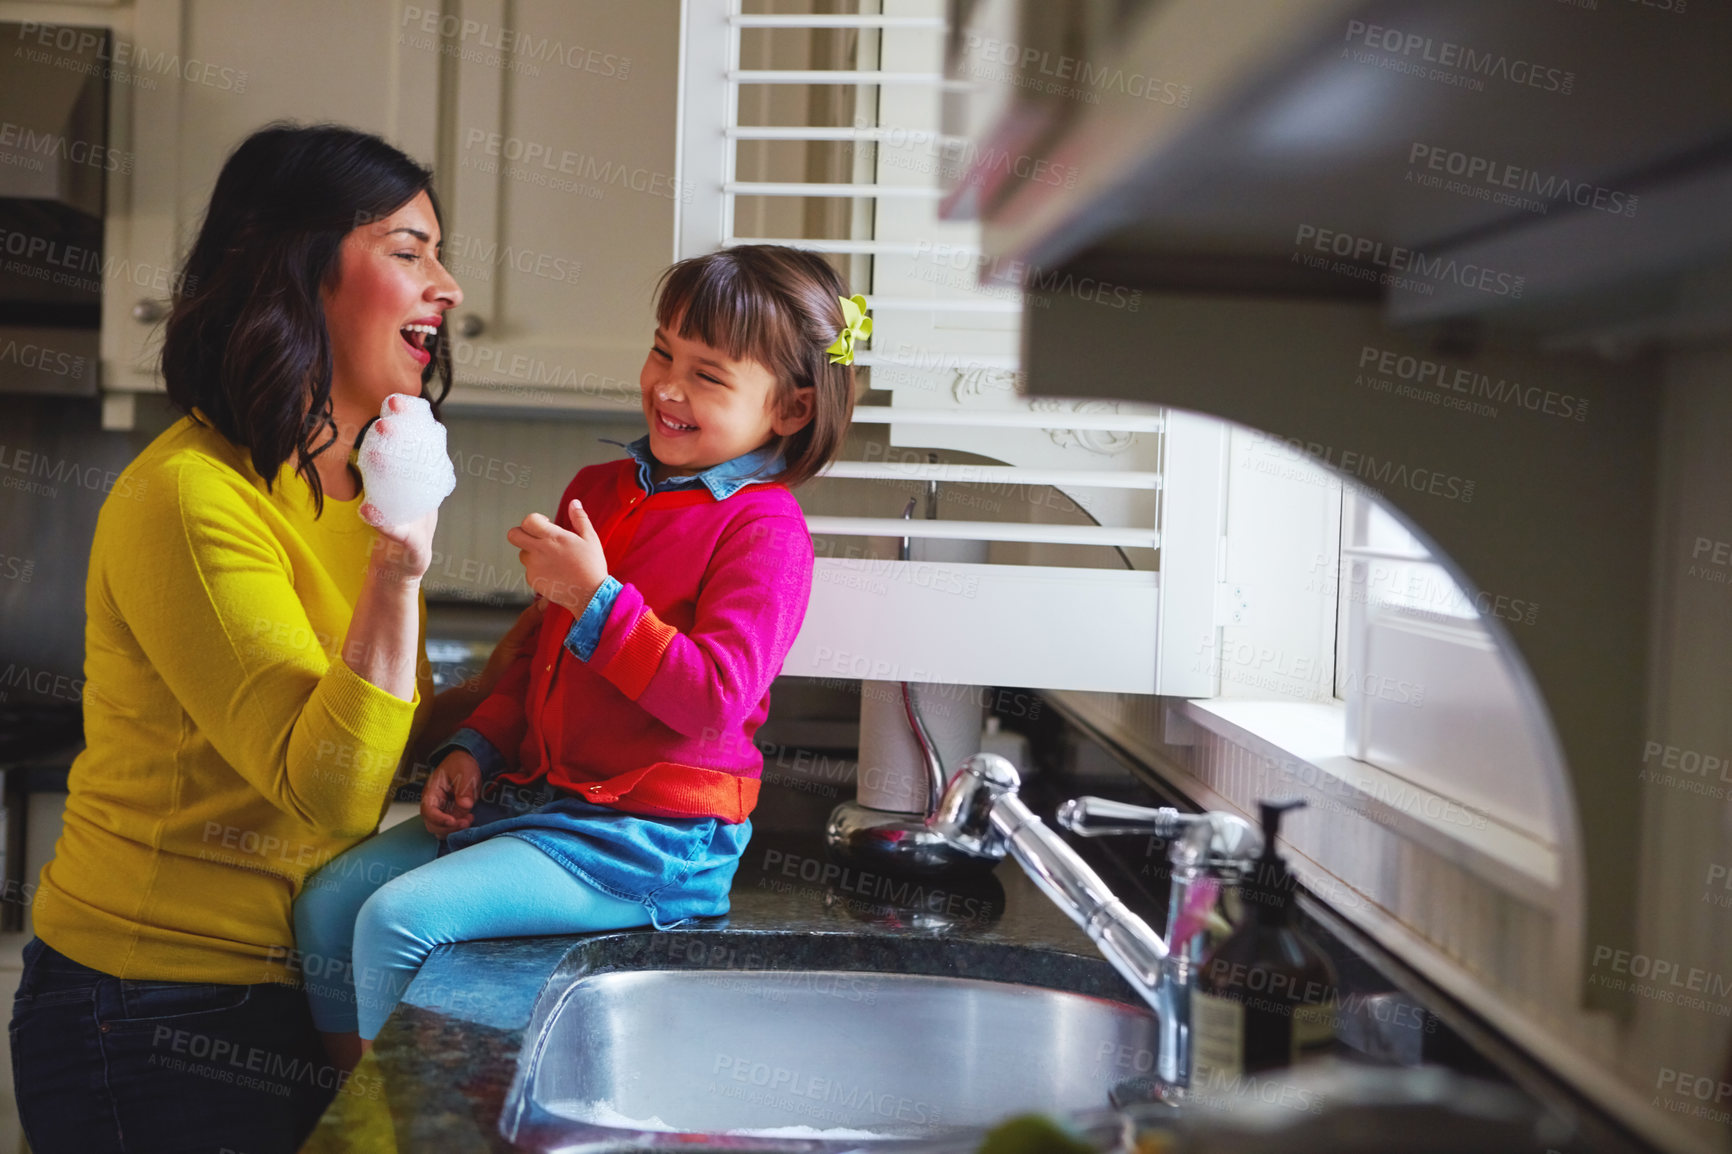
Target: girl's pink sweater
{"x":660,"y":720}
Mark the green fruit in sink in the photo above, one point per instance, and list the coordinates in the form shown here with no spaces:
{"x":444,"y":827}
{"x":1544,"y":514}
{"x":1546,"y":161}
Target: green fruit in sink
{"x":1032,"y":1134}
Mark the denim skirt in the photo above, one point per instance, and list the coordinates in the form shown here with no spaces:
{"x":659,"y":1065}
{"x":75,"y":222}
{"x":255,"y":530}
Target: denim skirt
{"x":677,"y":867}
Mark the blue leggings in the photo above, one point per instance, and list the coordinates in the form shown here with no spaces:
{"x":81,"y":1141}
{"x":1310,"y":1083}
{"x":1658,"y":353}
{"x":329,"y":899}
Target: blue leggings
{"x":368,"y":919}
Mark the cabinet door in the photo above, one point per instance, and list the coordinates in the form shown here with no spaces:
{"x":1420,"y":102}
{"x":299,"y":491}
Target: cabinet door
{"x":558,"y":163}
{"x":192,"y":79}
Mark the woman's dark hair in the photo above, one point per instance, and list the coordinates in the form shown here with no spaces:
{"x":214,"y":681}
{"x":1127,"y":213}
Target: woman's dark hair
{"x":778,"y":306}
{"x":246,"y":342}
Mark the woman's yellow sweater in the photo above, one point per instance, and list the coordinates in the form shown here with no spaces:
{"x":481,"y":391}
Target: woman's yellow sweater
{"x":230,"y":752}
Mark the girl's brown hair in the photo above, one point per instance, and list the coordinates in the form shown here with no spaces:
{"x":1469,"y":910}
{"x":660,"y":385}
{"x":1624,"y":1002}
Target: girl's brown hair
{"x":780,"y":307}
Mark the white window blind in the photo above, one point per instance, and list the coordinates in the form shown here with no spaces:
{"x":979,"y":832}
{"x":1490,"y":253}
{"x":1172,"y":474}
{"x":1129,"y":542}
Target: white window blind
{"x":1008,"y":600}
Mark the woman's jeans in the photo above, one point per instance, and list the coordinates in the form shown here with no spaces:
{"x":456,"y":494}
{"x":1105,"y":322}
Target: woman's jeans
{"x":366,"y":922}
{"x":103,"y":1065}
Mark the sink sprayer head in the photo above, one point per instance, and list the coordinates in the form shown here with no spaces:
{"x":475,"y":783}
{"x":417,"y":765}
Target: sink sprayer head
{"x":964,"y":814}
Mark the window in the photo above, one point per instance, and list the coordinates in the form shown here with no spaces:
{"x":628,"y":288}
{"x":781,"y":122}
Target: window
{"x":1428,"y":694}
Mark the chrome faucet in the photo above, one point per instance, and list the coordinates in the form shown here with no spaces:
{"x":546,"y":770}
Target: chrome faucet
{"x":981,"y":815}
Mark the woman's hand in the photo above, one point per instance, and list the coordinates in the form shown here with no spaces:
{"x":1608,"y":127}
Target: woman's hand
{"x":449,"y":798}
{"x":402,"y":553}
{"x":563,"y":566}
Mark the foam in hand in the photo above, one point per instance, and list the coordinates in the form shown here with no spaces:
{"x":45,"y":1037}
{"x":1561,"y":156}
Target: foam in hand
{"x":404,"y":466}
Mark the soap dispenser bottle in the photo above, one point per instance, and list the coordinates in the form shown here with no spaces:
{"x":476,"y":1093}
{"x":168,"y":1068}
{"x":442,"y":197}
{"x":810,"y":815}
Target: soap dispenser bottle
{"x":1264,"y":996}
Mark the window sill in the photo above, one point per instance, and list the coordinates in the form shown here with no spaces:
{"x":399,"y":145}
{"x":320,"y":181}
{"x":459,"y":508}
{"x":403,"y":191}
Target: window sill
{"x":1309,"y":733}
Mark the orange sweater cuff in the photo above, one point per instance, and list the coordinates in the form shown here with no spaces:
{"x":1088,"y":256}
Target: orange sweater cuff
{"x":640,"y":654}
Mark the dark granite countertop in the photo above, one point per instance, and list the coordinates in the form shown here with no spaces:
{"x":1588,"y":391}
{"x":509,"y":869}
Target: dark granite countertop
{"x":444,"y":1067}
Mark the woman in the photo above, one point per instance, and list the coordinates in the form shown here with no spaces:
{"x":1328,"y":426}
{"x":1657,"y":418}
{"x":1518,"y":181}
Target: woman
{"x":254,"y":665}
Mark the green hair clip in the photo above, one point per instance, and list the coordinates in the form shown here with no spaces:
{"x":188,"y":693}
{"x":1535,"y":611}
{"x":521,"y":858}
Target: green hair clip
{"x":858,"y":326}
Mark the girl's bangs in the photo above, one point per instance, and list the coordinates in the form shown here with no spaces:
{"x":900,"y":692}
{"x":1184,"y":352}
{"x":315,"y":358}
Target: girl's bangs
{"x":725,"y":307}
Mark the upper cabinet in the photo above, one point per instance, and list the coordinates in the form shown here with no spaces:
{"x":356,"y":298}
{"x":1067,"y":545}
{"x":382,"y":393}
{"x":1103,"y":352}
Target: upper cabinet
{"x":557,"y":161}
{"x":192,"y":79}
{"x":1429,"y":157}
{"x":549,"y":124}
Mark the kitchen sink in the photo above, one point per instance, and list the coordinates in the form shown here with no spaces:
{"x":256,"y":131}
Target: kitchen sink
{"x":810,"y":1060}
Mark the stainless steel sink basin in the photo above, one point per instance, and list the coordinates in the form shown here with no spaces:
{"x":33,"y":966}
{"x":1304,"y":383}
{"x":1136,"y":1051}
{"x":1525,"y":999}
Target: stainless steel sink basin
{"x":804,"y":1059}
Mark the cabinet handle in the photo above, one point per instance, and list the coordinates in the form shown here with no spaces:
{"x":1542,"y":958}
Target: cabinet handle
{"x":148,"y":311}
{"x":471,"y":326}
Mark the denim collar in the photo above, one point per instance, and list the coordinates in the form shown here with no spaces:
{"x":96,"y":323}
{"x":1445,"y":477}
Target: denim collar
{"x":723,"y":480}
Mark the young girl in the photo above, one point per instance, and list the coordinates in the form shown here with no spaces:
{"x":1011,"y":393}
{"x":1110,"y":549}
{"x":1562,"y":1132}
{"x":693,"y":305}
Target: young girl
{"x":620,"y":744}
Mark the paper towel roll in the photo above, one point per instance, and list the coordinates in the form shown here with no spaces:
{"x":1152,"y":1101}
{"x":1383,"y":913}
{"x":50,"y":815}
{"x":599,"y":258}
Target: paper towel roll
{"x":940,"y":549}
{"x":892,"y":771}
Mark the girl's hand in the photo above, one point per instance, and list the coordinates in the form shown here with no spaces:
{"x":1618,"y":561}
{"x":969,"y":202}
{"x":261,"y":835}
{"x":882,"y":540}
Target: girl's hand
{"x":563,"y":566}
{"x":450,"y":794}
{"x":401,"y":552}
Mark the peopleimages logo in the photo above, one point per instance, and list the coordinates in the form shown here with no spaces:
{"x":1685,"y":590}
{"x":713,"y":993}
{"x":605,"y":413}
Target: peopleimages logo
{"x":482,"y":256}
{"x":123,"y":61}
{"x":546,"y":160}
{"x":1499,"y":183}
{"x":1661,"y":980}
{"x":1380,"y":473}
{"x":1038,"y":284}
{"x":516,"y":42}
{"x":46,"y":259}
{"x":41,"y":358}
{"x":24,"y":141}
{"x":1407,"y":268}
{"x":1449,"y":62}
{"x":1443,"y":378}
{"x":1067,"y":76}
{"x":1682,"y":1086}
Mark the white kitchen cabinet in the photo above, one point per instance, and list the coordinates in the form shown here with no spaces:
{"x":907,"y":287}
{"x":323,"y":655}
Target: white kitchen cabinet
{"x":557,"y":161}
{"x":193,"y":79}
{"x":550,"y":125}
